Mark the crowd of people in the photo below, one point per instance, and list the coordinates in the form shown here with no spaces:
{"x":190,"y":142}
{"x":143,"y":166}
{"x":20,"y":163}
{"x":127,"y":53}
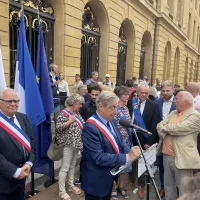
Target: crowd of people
{"x":170,"y":113}
{"x":88,"y":122}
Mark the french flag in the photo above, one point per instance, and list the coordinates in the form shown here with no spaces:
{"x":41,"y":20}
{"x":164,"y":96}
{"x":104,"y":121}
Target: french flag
{"x":25,"y":81}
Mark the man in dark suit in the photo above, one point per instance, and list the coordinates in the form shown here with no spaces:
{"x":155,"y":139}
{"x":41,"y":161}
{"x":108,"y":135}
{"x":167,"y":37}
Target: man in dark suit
{"x":89,"y":108}
{"x":149,"y":114}
{"x":16,"y":156}
{"x":53,"y":77}
{"x":103,"y":149}
{"x":166,"y":106}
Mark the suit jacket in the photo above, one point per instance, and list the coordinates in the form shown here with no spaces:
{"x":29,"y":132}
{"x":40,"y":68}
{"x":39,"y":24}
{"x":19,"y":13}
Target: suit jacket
{"x":54,"y":88}
{"x":99,"y":157}
{"x":160,"y":106}
{"x":151,"y":118}
{"x":184,"y":138}
{"x":13,"y":156}
{"x":88,"y":109}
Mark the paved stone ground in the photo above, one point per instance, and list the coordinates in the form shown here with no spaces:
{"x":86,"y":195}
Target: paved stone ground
{"x":51,"y":193}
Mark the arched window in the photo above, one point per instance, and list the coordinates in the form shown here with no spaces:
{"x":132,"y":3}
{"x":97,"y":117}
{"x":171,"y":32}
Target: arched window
{"x":145,"y":55}
{"x":31,"y":26}
{"x":186,"y":71}
{"x":197,"y":38}
{"x":167,"y":61}
{"x":121,"y":58}
{"x":89,"y":44}
{"x":176,"y":65}
{"x":191,"y":71}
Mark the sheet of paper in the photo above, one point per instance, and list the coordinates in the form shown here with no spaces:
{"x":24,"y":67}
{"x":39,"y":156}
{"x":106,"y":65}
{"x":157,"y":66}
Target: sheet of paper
{"x":150,"y":157}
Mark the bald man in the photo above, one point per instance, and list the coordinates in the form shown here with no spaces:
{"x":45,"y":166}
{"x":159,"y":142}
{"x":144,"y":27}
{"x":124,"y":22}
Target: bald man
{"x":144,"y":113}
{"x":194,"y":89}
{"x":178,"y":134}
{"x":17,"y":153}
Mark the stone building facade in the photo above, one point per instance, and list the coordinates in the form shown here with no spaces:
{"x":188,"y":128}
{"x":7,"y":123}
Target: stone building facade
{"x":124,"y":38}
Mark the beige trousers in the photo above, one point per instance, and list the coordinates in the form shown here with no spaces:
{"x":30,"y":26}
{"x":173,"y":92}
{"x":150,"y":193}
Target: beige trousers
{"x":68,"y":167}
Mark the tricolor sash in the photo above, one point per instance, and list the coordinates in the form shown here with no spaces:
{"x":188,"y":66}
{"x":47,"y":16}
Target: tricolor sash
{"x":11,"y":128}
{"x":78,"y":120}
{"x":123,"y":116}
{"x":107,"y":132}
{"x":138,"y":117}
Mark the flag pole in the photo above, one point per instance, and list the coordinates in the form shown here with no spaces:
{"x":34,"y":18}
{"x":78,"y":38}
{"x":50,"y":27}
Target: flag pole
{"x":29,"y":194}
{"x":22,"y":5}
{"x":52,"y":181}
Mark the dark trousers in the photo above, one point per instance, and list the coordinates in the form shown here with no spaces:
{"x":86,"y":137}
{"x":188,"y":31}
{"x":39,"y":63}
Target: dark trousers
{"x":91,"y":197}
{"x":161,"y":170}
{"x":18,"y":194}
{"x":141,"y":179}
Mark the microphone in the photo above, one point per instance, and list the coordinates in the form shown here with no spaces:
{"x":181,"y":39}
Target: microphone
{"x":56,"y":78}
{"x":128,"y":124}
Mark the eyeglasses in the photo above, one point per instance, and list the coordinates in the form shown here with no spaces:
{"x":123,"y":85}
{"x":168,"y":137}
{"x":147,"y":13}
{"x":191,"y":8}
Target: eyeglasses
{"x":10,"y":101}
{"x":96,"y":95}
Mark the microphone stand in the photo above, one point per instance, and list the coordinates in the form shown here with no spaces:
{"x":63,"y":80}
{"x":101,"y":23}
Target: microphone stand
{"x":150,"y":175}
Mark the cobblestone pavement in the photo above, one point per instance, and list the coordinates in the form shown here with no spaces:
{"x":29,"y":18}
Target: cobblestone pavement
{"x":51,"y":193}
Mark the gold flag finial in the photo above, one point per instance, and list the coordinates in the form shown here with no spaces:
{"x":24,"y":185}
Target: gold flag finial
{"x":22,"y":4}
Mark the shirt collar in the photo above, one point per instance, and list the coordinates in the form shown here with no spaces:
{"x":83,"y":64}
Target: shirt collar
{"x":196,"y":98}
{"x":171,"y":100}
{"x":14,"y":116}
{"x":52,"y":75}
{"x":105,"y":121}
{"x":142,"y":102}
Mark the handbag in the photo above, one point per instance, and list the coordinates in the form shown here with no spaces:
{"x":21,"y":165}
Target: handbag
{"x":55,"y":153}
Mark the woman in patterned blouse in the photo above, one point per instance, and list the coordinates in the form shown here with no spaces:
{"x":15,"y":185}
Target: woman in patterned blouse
{"x":68,"y":134}
{"x":122,"y":112}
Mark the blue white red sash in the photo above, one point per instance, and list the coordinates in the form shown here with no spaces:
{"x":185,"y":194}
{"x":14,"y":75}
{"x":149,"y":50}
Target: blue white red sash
{"x":105,"y":130}
{"x":11,"y":128}
{"x":138,"y":117}
{"x":78,"y":120}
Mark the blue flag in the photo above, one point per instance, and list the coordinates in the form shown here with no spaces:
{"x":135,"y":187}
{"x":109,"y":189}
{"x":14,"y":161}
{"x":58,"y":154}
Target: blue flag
{"x":25,"y":82}
{"x":42,"y":133}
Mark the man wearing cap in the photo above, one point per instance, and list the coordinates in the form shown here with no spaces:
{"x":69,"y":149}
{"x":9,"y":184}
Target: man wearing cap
{"x":108,"y":82}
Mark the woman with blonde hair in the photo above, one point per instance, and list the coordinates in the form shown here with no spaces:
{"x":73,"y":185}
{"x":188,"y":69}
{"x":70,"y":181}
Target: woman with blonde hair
{"x":69,"y":134}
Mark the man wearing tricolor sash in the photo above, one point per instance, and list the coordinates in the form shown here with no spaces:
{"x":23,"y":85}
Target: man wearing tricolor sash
{"x":103,"y":149}
{"x":144,"y":113}
{"x":17,"y":152}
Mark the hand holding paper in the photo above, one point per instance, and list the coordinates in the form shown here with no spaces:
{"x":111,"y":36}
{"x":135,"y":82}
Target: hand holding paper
{"x":134,"y":153}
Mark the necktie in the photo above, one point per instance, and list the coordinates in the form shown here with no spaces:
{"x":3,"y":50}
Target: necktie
{"x":12,"y":118}
{"x":139,"y":105}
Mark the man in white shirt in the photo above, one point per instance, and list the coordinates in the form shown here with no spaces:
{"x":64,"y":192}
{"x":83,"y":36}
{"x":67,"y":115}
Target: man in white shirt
{"x":145,"y":114}
{"x":194,"y":89}
{"x":17,"y":148}
{"x":165,"y":105}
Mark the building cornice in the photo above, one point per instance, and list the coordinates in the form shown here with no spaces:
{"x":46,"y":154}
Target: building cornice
{"x":165,"y":19}
{"x":191,"y":47}
{"x":144,"y":5}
